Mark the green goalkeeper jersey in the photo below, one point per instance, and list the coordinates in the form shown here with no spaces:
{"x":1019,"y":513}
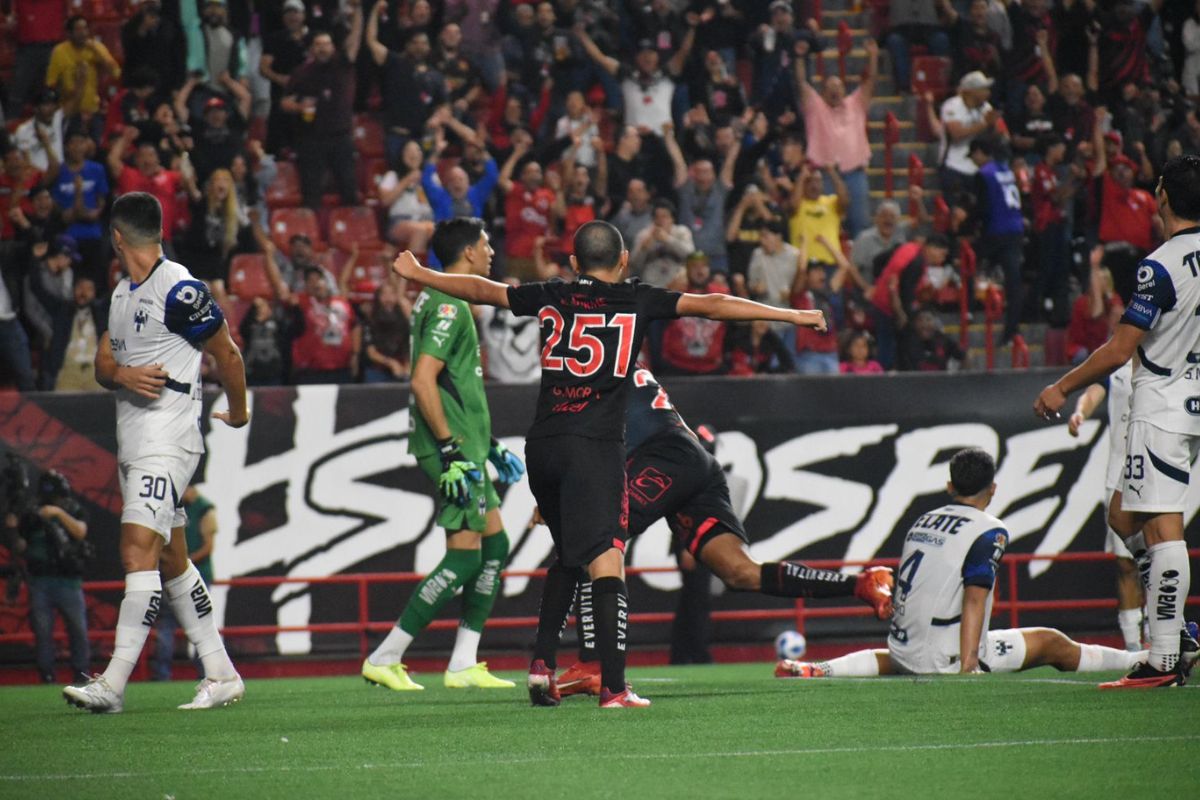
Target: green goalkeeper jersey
{"x":442,"y":327}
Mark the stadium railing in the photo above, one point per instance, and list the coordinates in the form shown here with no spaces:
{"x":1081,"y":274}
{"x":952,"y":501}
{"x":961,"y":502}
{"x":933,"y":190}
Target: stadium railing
{"x":1008,"y":602}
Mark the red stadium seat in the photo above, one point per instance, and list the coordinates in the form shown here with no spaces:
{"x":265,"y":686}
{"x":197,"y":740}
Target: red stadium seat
{"x":368,"y":275}
{"x":931,"y":74}
{"x":368,"y":136}
{"x":284,"y":191}
{"x":8,"y":57}
{"x":108,"y":31}
{"x":248,"y":277}
{"x":358,"y":224}
{"x":370,"y":170}
{"x":287,"y":222}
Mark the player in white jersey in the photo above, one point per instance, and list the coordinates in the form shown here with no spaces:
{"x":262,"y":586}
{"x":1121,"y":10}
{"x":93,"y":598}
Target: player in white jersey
{"x":1118,"y":390}
{"x":943,"y":599}
{"x":161,"y":321}
{"x":1162,"y":329}
{"x":1120,"y":261}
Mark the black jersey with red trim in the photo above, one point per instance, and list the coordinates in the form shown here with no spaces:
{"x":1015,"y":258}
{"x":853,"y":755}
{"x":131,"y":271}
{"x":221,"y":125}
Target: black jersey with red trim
{"x":591,"y":333}
{"x":650,"y":412}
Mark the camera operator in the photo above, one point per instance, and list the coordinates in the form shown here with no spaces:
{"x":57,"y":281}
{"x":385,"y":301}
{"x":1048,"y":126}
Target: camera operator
{"x":51,"y":536}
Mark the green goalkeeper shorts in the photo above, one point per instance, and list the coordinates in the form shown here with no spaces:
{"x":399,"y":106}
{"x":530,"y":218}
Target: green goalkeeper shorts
{"x":456,"y":518}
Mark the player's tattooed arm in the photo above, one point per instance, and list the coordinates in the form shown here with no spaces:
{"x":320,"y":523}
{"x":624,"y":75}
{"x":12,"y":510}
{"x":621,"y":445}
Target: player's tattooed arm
{"x":472,"y":288}
{"x":146,"y":381}
{"x":232,"y":372}
{"x":971,"y":628}
{"x":738,"y":309}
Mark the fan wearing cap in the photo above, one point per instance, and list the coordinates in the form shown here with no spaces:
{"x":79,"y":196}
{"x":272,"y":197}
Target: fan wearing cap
{"x":217,"y":56}
{"x":218,"y":133}
{"x":773,"y":48}
{"x":1127,"y":213}
{"x":690,"y":345}
{"x":965,"y":116}
{"x":41,"y":136}
{"x":646,"y":89}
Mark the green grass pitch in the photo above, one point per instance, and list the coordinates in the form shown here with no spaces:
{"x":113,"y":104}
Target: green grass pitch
{"x":719,"y":731}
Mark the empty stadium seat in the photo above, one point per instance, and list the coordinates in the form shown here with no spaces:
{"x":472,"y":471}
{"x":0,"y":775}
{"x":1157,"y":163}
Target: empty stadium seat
{"x":287,"y":222}
{"x":931,"y":74}
{"x":248,"y":277}
{"x":368,"y":275}
{"x":348,"y":226}
{"x":368,"y":136}
{"x":284,"y":191}
{"x":370,"y":170}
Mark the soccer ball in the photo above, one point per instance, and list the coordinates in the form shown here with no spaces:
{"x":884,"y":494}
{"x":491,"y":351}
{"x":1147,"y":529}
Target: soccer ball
{"x":790,"y":644}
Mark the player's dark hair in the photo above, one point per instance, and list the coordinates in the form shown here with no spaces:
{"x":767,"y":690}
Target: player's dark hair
{"x":598,"y":245}
{"x":1181,"y":183}
{"x":452,"y":236}
{"x":972,"y":471}
{"x":1121,"y":260}
{"x":138,"y":216}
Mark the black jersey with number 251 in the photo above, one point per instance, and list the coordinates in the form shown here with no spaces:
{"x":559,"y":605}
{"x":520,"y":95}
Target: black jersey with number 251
{"x":591,"y":333}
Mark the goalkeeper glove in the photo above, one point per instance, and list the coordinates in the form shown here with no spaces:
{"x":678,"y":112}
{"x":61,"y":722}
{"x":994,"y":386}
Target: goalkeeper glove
{"x":508,"y":467}
{"x":458,"y":474}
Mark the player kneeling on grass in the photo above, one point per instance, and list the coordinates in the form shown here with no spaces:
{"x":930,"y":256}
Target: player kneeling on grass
{"x":160,"y":321}
{"x":674,"y":476}
{"x":944,"y":599}
{"x":451,"y":436}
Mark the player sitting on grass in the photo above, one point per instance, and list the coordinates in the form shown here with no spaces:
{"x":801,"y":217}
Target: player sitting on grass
{"x":591,"y":330}
{"x":944,"y":600}
{"x":451,"y":435}
{"x":160,"y":324}
{"x":672,"y":476}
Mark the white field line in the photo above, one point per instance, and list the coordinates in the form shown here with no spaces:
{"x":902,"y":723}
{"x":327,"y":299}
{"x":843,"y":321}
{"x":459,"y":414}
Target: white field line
{"x":459,"y":762}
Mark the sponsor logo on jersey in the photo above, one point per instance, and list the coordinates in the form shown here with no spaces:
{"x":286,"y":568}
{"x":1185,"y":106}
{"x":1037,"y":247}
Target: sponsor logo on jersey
{"x":140,"y":318}
{"x":649,"y":485}
{"x":1192,"y":406}
{"x":447,"y":311}
{"x":1168,"y":588}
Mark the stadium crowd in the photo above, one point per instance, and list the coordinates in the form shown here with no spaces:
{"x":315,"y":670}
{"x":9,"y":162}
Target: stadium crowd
{"x":296,"y":145}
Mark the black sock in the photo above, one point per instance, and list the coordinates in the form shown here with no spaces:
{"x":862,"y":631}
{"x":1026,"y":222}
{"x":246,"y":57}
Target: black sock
{"x":585,"y":623}
{"x":612,"y":619}
{"x":557,"y":596}
{"x":793,"y":579}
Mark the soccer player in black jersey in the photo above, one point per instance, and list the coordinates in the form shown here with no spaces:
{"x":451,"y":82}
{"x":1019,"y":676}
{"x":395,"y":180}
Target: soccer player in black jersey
{"x":591,"y":331}
{"x":673,"y":476}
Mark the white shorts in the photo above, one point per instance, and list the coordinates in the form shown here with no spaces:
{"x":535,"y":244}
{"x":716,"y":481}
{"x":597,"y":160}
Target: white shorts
{"x":1158,"y":465}
{"x":1005,"y":653}
{"x":152,"y":488}
{"x":1115,"y":471}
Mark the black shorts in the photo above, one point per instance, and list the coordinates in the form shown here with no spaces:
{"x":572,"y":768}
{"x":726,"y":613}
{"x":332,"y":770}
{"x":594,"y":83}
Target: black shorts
{"x":579,"y":485}
{"x":671,"y":476}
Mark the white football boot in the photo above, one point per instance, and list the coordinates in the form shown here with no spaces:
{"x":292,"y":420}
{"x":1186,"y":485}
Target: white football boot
{"x":95,"y":696}
{"x":214,"y":694}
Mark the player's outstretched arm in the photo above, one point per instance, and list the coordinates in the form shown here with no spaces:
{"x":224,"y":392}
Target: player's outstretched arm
{"x":146,"y":381}
{"x":1085,"y":406}
{"x":738,"y":309}
{"x":232,"y":372}
{"x":1106,"y":360}
{"x":971,"y":628}
{"x":472,"y":288}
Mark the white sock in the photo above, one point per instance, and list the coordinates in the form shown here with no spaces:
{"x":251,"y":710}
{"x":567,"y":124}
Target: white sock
{"x":1129,"y":620}
{"x":466,"y":649}
{"x":859,"y":664}
{"x":1170,"y":580}
{"x":1136,"y":545}
{"x":139,"y":609}
{"x":391,"y":649}
{"x":193,"y":607}
{"x":1097,"y":658}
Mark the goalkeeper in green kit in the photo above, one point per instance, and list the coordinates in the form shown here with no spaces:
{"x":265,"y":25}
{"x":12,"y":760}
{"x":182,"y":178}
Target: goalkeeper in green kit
{"x":451,"y":436}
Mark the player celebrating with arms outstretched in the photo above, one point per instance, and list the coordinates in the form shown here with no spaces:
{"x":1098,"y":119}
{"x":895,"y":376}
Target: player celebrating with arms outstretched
{"x":1162,"y":327}
{"x":451,"y":435}
{"x":592,"y":330}
{"x":160,"y":321}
